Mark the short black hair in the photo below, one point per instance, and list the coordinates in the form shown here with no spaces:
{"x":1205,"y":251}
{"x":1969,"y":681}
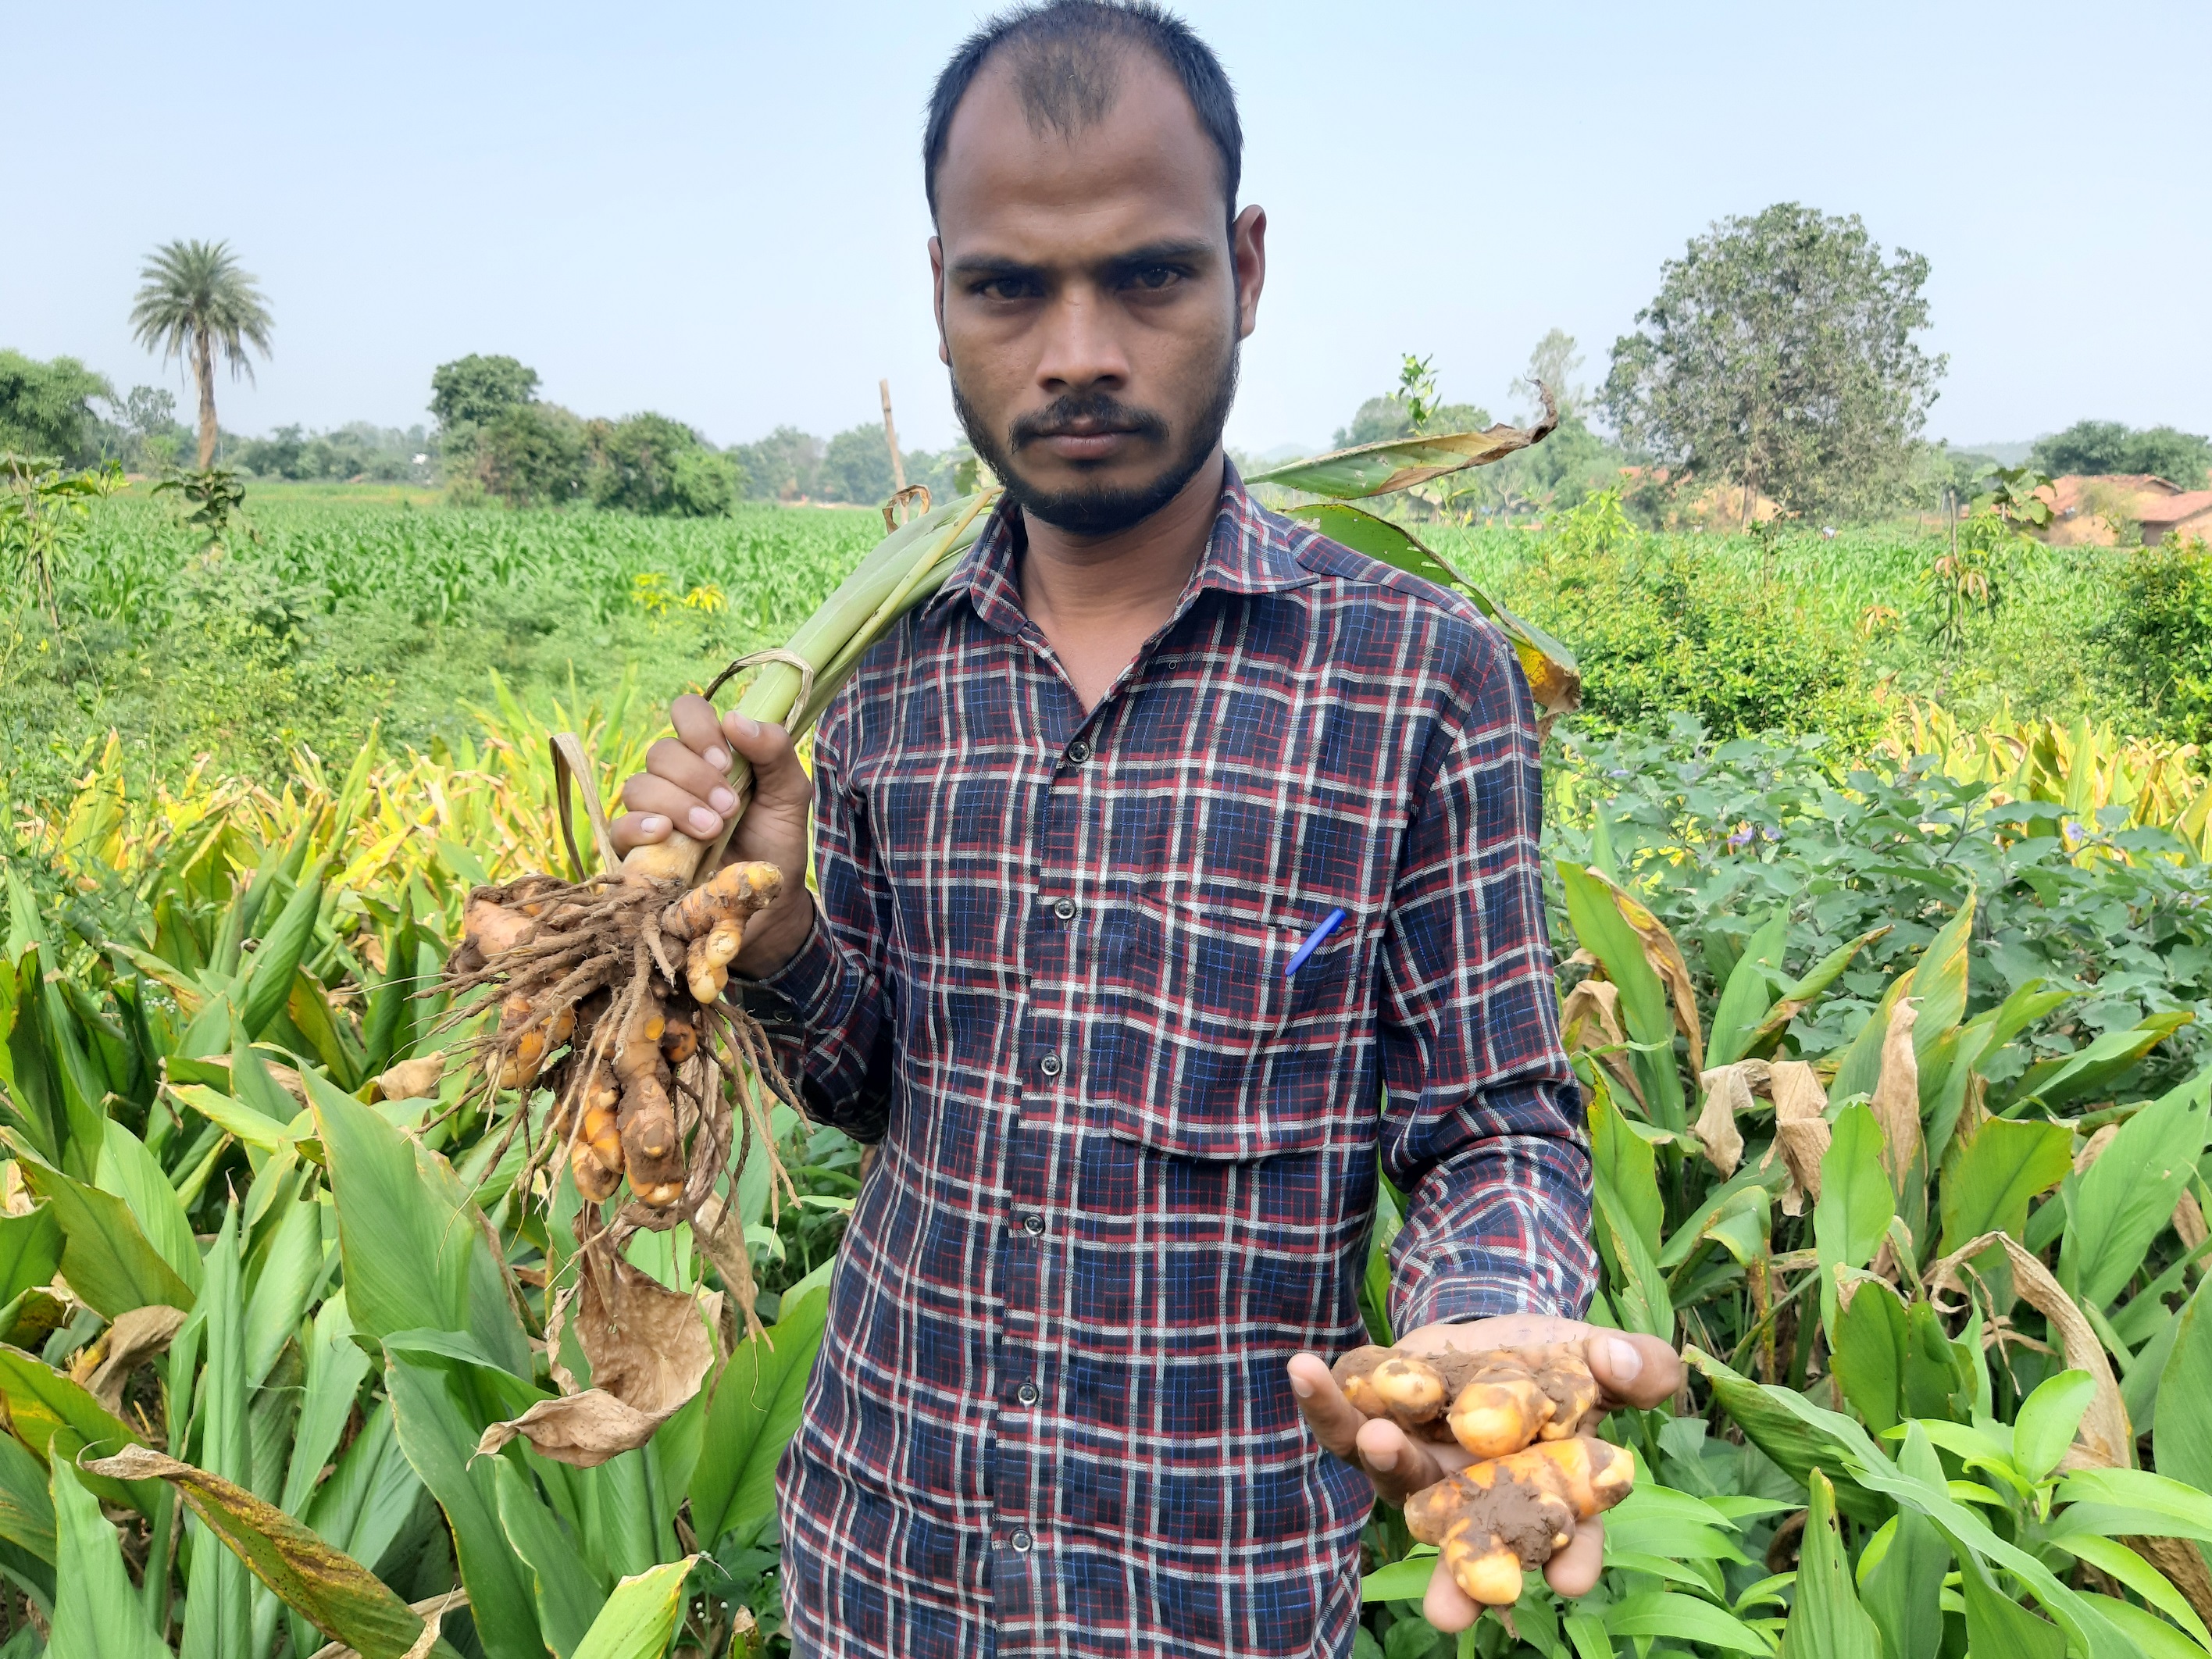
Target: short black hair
{"x":1066,"y":56}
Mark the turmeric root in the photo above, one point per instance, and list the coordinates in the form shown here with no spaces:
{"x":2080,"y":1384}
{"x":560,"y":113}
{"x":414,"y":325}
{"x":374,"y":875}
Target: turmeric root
{"x":1494,"y":1520}
{"x":713,"y":918}
{"x":1491,"y":1402}
{"x":520,"y":1067}
{"x":562,"y":956}
{"x":646,"y":1119}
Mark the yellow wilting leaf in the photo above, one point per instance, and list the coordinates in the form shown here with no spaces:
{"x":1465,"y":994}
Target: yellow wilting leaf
{"x":1665,"y":958}
{"x":324,"y":1585}
{"x":1555,"y":680}
{"x":1589,"y":1019}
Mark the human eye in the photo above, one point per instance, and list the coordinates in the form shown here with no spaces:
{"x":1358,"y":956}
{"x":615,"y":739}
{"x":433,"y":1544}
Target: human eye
{"x":1006,"y":288}
{"x":1155,"y":277}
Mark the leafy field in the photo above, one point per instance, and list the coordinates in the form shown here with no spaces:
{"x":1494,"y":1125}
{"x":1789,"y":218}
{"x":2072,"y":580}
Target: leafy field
{"x":1893,"y":1033}
{"x":337,"y":614}
{"x":1861,"y":603}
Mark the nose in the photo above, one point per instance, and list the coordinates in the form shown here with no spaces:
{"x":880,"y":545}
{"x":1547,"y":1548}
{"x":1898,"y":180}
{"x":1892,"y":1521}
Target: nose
{"x":1081,"y":348}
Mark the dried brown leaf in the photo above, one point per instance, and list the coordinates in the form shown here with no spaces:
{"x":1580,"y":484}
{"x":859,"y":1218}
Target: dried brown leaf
{"x":2105,"y":1440}
{"x":2189,"y":1221}
{"x":2183,"y":1565}
{"x":1665,"y":959}
{"x":1800,"y":1130}
{"x":411,"y":1079}
{"x":649,"y":1345}
{"x":1589,"y":1019}
{"x":721,"y":1238}
{"x":135,"y":1338}
{"x":2093,"y":1148}
{"x":1897,"y":1096}
{"x":581,"y":1430}
{"x":1728,"y":1091}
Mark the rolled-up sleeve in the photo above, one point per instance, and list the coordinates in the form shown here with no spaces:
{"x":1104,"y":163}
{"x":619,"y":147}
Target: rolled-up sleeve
{"x":1482,"y":1122}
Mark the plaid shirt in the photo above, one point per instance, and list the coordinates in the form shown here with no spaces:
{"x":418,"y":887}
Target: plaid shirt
{"x":1128,"y":1166}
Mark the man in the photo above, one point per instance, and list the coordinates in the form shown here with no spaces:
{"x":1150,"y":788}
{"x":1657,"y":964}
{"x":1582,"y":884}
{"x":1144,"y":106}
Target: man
{"x":1074,"y":816}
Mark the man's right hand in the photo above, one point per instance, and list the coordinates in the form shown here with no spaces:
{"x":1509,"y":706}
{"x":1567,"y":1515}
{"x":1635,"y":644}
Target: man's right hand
{"x":686,"y":786}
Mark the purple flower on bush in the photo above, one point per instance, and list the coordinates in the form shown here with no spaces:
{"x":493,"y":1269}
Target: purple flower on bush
{"x":1741,"y":839}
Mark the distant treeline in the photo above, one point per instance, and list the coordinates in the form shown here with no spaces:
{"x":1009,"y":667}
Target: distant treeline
{"x":498,"y":438}
{"x":494,"y":439}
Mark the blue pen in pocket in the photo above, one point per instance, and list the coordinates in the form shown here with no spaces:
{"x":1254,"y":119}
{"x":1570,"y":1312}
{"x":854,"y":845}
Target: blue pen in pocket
{"x":1312,"y":942}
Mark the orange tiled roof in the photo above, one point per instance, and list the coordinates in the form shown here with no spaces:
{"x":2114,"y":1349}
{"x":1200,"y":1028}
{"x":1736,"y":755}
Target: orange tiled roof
{"x":2175,"y":509}
{"x":2065,"y":494}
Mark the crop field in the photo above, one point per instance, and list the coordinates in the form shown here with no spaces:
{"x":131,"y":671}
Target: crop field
{"x":338,"y":607}
{"x":326,"y":615}
{"x":1885,"y":962}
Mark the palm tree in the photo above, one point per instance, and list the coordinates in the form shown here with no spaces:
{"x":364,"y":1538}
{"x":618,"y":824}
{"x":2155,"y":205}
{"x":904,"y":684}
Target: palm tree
{"x":196,"y":298}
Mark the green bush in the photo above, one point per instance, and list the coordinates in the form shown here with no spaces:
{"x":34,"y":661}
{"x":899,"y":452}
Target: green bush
{"x":1743,"y":826}
{"x":530,"y":455}
{"x":2161,"y":634}
{"x":1659,"y":628}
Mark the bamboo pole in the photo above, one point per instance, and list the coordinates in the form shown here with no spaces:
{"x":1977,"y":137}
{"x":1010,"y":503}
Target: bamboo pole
{"x":890,"y":437}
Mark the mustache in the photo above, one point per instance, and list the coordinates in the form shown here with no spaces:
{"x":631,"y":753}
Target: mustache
{"x":1085,"y":413}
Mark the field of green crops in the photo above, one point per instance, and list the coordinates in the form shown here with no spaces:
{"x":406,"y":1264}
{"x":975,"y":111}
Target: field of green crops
{"x":337,"y":609}
{"x":333,"y":614}
{"x":1893,"y":1029}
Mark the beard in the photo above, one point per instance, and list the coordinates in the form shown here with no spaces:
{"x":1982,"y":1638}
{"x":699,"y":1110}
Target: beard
{"x":1102,"y":509}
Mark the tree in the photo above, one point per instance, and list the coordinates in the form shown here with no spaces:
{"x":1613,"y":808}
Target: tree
{"x":707,"y":484}
{"x":471,"y":390}
{"x":635,"y":467}
{"x":784,"y":466}
{"x":533,"y":454}
{"x":1380,"y":419}
{"x":857,"y":466}
{"x":151,"y":436}
{"x":46,"y":409}
{"x":650,"y":464}
{"x":194,"y":298}
{"x":2092,"y":447}
{"x":1552,"y":362}
{"x":1779,"y":355}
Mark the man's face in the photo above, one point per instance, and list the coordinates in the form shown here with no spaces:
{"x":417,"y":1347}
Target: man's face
{"x":1088,"y":304}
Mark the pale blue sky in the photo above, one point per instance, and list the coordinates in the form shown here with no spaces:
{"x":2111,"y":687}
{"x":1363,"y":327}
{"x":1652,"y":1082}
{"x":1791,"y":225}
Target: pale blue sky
{"x":715,"y":210}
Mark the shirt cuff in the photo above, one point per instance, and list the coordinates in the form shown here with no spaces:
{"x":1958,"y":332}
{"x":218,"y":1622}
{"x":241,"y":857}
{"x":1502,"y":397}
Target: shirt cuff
{"x":1450,"y":1300}
{"x":801,"y":990}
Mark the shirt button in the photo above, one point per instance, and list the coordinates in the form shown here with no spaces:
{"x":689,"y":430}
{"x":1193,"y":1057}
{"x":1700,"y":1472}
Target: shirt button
{"x":1033,"y":1225}
{"x":1027,"y":1394}
{"x":1065,"y":909}
{"x":1079,"y":751}
{"x":1021,"y":1541}
{"x":1049,"y":1065}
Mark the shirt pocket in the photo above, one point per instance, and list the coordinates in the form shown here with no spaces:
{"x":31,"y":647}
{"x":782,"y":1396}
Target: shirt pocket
{"x":1216,"y":1053}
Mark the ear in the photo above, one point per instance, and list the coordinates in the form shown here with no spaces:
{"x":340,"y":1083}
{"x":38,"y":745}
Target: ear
{"x":937,"y":295}
{"x":1248,"y":240}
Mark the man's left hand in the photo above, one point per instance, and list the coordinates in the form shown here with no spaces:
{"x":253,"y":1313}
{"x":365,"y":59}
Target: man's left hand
{"x":1633,"y":1371}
